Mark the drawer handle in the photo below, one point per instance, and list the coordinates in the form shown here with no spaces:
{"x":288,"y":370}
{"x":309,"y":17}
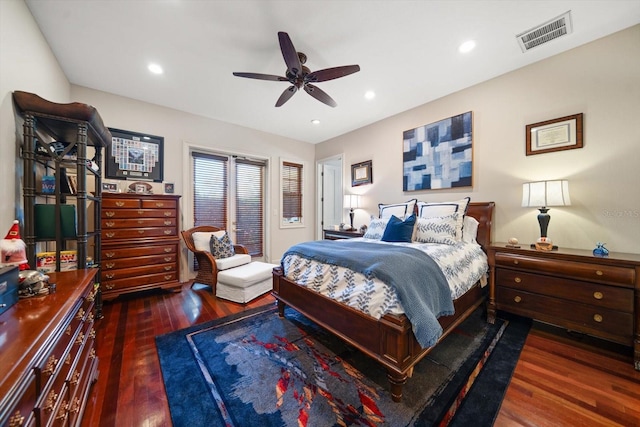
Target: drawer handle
{"x":119,"y":204}
{"x":517,"y":299}
{"x":51,"y":401}
{"x":92,"y":354}
{"x":599,"y":273}
{"x":110,"y":264}
{"x":110,"y":276}
{"x":110,"y":254}
{"x":598,"y":295}
{"x":140,"y":221}
{"x":168,"y":268}
{"x":62,"y":413}
{"x":167,"y":250}
{"x":167,"y":276}
{"x":76,"y":377}
{"x":168,"y":222}
{"x":167,"y":232}
{"x":109,"y":287}
{"x":167,"y":258}
{"x":75,"y":406}
{"x":168,"y":214}
{"x":517,"y":280}
{"x":110,"y":234}
{"x":597,"y":318}
{"x":109,"y":223}
{"x":140,"y":231}
{"x":516,"y":262}
{"x":140,"y":211}
{"x":17,"y":420}
{"x":90,"y":318}
{"x":51,"y":365}
{"x":80,"y":314}
{"x":159,"y":205}
{"x":110,"y":214}
{"x":92,"y":295}
{"x":68,"y":331}
{"x":80,"y":339}
{"x":67,"y":361}
{"x":92,"y":334}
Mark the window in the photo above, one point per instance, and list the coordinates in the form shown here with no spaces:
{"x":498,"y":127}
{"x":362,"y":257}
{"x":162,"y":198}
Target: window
{"x":229,"y":193}
{"x":291,"y":184}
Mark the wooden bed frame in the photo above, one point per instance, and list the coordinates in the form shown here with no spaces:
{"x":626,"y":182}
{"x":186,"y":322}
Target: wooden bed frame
{"x":389,"y":340}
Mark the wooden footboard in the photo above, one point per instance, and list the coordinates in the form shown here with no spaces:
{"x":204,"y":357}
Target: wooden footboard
{"x":389,"y":340}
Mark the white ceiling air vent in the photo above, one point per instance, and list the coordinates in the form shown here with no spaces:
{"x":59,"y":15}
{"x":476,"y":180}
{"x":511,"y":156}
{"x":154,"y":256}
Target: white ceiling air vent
{"x":550,"y":30}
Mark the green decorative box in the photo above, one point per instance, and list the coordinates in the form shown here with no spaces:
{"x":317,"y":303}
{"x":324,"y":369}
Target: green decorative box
{"x":46,"y":221}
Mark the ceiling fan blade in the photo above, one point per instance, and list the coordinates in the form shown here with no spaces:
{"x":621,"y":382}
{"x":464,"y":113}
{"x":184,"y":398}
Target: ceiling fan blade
{"x":320,"y":95}
{"x":261,"y":76}
{"x":331,"y":73}
{"x":289,"y":54}
{"x":286,"y":95}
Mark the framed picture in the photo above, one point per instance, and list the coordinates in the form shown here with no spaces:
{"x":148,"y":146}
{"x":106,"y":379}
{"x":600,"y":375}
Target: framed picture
{"x":110,"y":187}
{"x":361,"y":173}
{"x":560,"y":134}
{"x":438,"y":155}
{"x":134,"y":155}
{"x":168,"y":187}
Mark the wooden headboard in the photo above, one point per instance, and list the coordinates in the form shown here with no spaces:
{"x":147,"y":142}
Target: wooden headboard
{"x":483,"y":212}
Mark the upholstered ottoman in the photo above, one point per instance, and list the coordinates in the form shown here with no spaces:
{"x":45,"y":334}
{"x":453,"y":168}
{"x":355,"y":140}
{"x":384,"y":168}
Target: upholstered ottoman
{"x":246,"y":282}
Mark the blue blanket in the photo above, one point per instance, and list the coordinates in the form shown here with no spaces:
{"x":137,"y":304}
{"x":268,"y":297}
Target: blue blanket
{"x":416,"y":278}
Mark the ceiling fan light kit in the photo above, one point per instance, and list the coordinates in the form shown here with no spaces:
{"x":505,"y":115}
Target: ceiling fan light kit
{"x":299,"y":76}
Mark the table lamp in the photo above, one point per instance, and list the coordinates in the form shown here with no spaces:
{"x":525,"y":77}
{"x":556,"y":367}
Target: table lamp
{"x":351,"y":202}
{"x":541,"y":195}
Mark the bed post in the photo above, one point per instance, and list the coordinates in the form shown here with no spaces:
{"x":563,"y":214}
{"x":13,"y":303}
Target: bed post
{"x":396,"y":381}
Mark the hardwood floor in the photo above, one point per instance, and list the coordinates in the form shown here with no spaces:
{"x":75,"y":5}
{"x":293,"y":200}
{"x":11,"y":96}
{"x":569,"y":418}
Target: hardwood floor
{"x":557,"y":381}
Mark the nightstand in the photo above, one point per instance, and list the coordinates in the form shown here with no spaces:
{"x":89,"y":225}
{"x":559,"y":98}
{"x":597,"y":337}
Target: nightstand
{"x":339,"y":235}
{"x":570,"y":288}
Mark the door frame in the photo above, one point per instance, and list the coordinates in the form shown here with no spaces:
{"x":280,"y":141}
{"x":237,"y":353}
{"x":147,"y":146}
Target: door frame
{"x":338,"y":161}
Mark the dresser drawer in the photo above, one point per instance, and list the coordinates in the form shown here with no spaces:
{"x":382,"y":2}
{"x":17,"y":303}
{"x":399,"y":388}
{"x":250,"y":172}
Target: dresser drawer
{"x":138,"y":222}
{"x":115,"y":264}
{"x":159,"y":204}
{"x":613,"y":325}
{"x":612,"y":297}
{"x":109,"y":253}
{"x":138,"y":233}
{"x":139,"y":282}
{"x":123,"y":273}
{"x":138,"y":213}
{"x":109,"y":203}
{"x":575,"y":270}
{"x":51,"y":409}
{"x":19,"y":412}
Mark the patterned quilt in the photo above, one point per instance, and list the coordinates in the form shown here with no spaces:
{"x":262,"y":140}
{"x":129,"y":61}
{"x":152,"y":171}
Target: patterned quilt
{"x":463,"y":265}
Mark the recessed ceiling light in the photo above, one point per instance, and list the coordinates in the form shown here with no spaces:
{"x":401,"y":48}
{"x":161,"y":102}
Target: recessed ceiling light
{"x":467,"y":46}
{"x":315,"y":121}
{"x":155,"y":69}
{"x":369,"y":94}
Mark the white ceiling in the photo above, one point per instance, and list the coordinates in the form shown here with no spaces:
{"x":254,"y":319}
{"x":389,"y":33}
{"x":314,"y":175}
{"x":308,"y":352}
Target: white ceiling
{"x":407,"y":51}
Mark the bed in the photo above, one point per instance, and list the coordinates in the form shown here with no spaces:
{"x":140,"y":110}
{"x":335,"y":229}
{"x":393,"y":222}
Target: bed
{"x":390,"y":339}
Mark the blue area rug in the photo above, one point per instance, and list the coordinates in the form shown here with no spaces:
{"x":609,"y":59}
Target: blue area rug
{"x":256,"y":369}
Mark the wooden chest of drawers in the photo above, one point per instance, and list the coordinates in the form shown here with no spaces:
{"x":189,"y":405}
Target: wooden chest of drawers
{"x":570,"y":288}
{"x":48,"y":355}
{"x":140,"y":243}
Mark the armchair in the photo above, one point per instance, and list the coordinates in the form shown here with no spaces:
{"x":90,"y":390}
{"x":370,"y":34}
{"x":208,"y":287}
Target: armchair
{"x":208,"y":265}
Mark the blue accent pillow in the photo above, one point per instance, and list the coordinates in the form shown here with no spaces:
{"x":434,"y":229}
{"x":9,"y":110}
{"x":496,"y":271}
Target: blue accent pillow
{"x":398,"y":230}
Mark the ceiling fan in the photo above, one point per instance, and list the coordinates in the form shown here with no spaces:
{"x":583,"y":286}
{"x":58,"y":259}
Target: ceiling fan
{"x":300,"y":76}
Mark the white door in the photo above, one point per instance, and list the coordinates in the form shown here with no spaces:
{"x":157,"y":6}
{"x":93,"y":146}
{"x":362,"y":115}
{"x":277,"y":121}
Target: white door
{"x":329,"y":194}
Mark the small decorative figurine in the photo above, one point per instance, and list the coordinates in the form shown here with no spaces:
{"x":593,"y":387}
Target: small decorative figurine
{"x":600,"y":250}
{"x":512,"y":243}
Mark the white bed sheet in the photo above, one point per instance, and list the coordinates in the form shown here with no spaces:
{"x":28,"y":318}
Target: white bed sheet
{"x":463,"y":265}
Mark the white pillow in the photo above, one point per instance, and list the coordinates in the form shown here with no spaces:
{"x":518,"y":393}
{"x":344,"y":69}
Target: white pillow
{"x":470,"y":229}
{"x":439,"y":229}
{"x":431,"y":209}
{"x":376,"y":228}
{"x":201,"y":239}
{"x":400,"y":210}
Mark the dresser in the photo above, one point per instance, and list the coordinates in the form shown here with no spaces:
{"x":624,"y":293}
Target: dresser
{"x":140,"y":243}
{"x":47,"y":354}
{"x":341,"y":234}
{"x":570,"y":288}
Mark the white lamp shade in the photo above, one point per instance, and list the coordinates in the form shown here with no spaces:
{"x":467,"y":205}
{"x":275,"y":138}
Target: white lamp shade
{"x":546,"y":193}
{"x":351,"y":201}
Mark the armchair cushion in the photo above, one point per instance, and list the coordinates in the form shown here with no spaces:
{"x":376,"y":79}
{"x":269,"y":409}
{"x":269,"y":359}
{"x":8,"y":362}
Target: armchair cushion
{"x":233,"y":261}
{"x":202,"y":239}
{"x":221,"y":247}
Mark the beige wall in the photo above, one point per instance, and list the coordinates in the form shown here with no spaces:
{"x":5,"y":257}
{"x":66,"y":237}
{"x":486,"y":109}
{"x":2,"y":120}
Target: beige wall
{"x":601,"y":80}
{"x":27,"y":64}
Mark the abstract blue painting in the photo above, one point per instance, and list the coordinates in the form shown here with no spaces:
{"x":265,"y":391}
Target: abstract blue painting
{"x":438,"y":155}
